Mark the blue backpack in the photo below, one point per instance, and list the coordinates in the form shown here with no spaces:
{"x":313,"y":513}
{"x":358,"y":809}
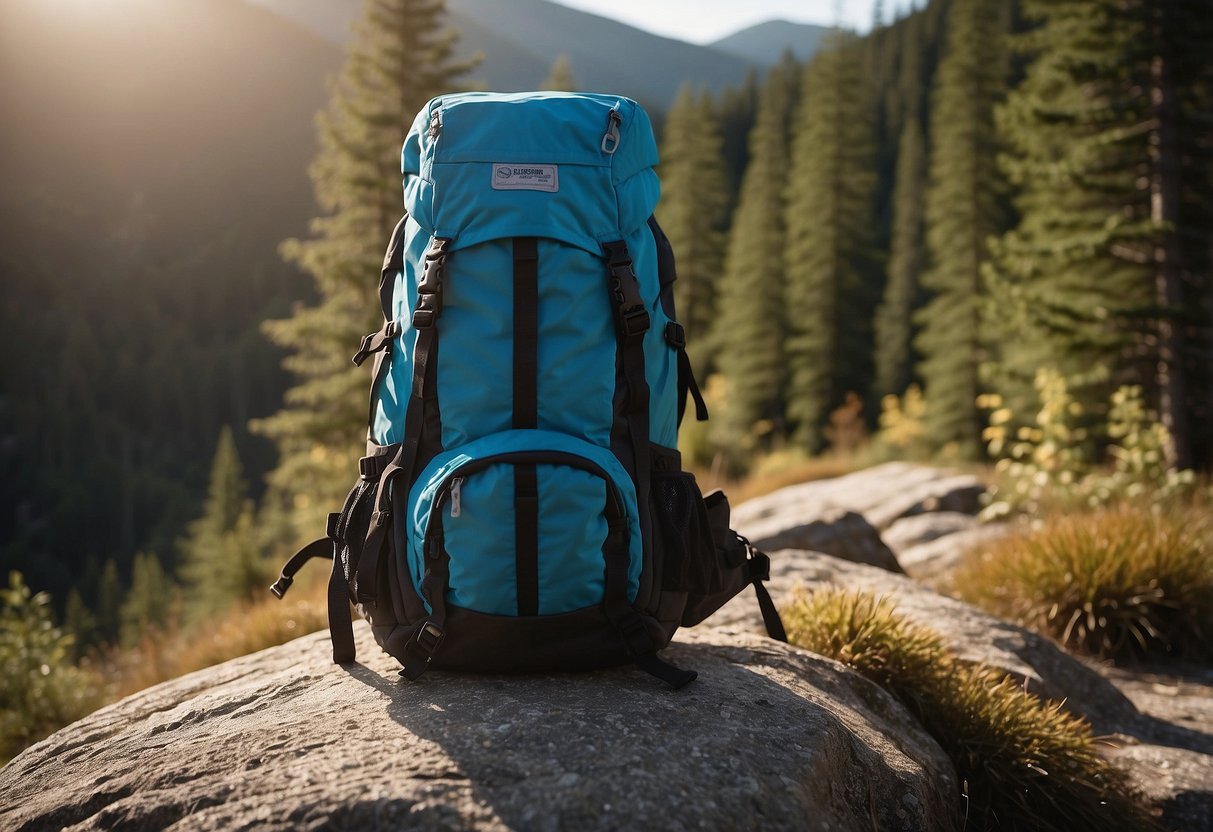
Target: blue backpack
{"x":522,"y":504}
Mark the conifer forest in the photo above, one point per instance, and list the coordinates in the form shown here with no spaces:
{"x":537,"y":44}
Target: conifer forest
{"x":933,"y":221}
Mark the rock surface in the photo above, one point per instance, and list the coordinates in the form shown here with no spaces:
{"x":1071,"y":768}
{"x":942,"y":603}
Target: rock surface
{"x":883,"y":495}
{"x":838,"y":532}
{"x":769,"y":737}
{"x":935,"y":559}
{"x":1169,"y":755}
{"x":923,"y":528}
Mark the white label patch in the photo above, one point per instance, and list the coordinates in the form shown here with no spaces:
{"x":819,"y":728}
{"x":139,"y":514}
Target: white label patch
{"x":525,"y":178}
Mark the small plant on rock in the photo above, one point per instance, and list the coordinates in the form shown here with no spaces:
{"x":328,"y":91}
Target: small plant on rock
{"x":1025,"y":763}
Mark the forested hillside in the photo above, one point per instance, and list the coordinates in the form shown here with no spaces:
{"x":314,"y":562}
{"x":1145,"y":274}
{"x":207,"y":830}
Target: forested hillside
{"x":916,"y":222}
{"x":153,"y":157}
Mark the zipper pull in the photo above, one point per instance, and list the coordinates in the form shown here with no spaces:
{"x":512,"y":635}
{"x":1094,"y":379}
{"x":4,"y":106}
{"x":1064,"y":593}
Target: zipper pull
{"x":610,"y":141}
{"x":456,"y":496}
{"x":435,"y":124}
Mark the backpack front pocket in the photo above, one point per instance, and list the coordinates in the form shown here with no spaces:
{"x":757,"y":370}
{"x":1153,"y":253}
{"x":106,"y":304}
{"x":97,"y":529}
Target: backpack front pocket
{"x":528,"y":522}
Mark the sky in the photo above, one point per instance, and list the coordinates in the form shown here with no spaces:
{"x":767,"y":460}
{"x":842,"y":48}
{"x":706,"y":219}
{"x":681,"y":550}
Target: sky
{"x":703,"y":21}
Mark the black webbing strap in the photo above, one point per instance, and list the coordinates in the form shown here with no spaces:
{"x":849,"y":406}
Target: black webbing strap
{"x":632,"y":322}
{"x":378,"y":341}
{"x":526,"y":332}
{"x":526,"y":538}
{"x":341,"y":624}
{"x":525,"y":417}
{"x":320,"y":548}
{"x":758,"y":569}
{"x":675,"y":677}
{"x":393,"y":264}
{"x":425,"y":319}
{"x":420,"y":649}
{"x":676,"y":337}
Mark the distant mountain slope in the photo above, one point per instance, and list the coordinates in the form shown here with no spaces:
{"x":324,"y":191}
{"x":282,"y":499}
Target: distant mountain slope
{"x":154,"y":155}
{"x":522,"y":39}
{"x":766,"y":42}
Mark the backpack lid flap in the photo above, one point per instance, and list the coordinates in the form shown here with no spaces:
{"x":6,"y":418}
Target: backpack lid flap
{"x":570,"y":166}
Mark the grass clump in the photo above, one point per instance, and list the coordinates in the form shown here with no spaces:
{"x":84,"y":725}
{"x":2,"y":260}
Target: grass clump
{"x":1024,"y":763}
{"x":1121,"y":583}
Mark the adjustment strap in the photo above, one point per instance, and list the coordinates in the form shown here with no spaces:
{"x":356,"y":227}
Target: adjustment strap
{"x":320,"y":548}
{"x":675,"y":677}
{"x":687,"y":384}
{"x":758,"y":569}
{"x":419,"y":651}
{"x":341,"y":625}
{"x":393,"y":264}
{"x":378,"y":341}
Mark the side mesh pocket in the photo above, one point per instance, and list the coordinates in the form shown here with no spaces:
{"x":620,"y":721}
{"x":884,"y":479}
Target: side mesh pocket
{"x":728,"y":558}
{"x":681,"y":519}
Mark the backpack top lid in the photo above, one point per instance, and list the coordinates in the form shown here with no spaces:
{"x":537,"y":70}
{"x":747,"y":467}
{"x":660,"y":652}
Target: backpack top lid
{"x":576,"y":167}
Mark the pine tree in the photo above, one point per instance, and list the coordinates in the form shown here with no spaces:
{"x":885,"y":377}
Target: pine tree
{"x":965,"y":206}
{"x":750,"y":322}
{"x":79,"y":620}
{"x":560,"y":77}
{"x":221,"y":558}
{"x":149,"y":603}
{"x":831,"y":261}
{"x":109,"y":602}
{"x":1110,"y":263}
{"x":402,"y":57}
{"x":894,"y":318}
{"x":693,"y":202}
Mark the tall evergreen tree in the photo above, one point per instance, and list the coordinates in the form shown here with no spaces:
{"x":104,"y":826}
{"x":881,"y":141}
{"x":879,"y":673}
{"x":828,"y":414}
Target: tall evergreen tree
{"x":1110,"y":263}
{"x":965,"y":206}
{"x":750,"y":321}
{"x":401,"y":57}
{"x":694,"y":199}
{"x":831,"y":261}
{"x":221,"y":557}
{"x":894,"y":358}
{"x":109,"y":602}
{"x":149,"y":603}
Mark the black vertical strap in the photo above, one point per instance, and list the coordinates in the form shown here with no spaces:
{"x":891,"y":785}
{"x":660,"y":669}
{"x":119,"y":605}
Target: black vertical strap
{"x":341,"y":625}
{"x":425,"y":319}
{"x":393,"y":264}
{"x":632,"y":322}
{"x":420,"y":649}
{"x":526,"y":332}
{"x":526,"y":538}
{"x":526,"y":417}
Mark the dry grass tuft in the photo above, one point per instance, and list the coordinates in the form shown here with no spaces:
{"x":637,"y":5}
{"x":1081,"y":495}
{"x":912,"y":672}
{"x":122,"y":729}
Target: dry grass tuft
{"x":1122,"y":583}
{"x":1024,"y":763}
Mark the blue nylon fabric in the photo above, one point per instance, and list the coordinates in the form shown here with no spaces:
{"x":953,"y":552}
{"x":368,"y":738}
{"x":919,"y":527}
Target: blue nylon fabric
{"x":575,"y":519}
{"x":391,"y":399}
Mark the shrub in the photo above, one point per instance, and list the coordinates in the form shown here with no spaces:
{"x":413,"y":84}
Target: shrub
{"x":41,"y":690}
{"x":1024,"y":763}
{"x":1118,"y":583}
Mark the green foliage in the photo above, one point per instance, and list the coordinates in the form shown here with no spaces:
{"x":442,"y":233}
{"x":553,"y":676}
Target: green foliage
{"x":1024,"y":763}
{"x":151,"y":602}
{"x":40,"y":689}
{"x":1052,"y":462}
{"x":750,"y":316}
{"x":401,"y":57}
{"x":223,"y":561}
{"x":965,"y":205}
{"x":1107,"y":140}
{"x":894,"y":328}
{"x":1125,"y":582}
{"x":829,"y":248}
{"x":109,"y":602}
{"x":694,"y":199}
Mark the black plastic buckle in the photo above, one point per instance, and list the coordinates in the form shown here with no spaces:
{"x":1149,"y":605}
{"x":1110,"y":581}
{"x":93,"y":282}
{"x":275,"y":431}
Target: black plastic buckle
{"x":364,"y":349}
{"x":428,"y":639}
{"x":381,"y":517}
{"x":370,"y":467}
{"x":675,"y":335}
{"x":634,"y":321}
{"x":280,"y":586}
{"x":429,"y":305}
{"x":759,"y":566}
